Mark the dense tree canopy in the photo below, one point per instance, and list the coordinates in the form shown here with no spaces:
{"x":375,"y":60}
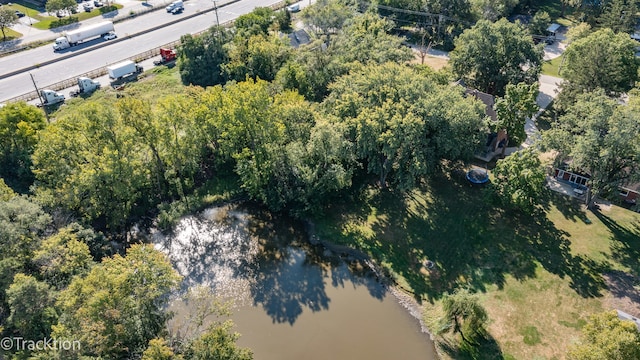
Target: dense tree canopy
{"x":116,"y":308}
{"x":518,"y":104}
{"x":601,"y":138}
{"x":520,"y":180}
{"x":8,"y":18}
{"x":200,"y":57}
{"x":491,"y":55}
{"x":403,"y":124}
{"x":20,"y":125}
{"x":605,"y":336}
{"x":602,"y":60}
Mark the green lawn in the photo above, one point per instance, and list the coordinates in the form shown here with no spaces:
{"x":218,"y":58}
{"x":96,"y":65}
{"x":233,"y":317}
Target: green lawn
{"x":51,"y":22}
{"x":10,"y":34}
{"x":539,"y":277}
{"x":552,"y":67}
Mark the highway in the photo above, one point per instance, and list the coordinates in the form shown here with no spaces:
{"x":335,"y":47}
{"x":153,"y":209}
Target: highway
{"x":112,"y":52}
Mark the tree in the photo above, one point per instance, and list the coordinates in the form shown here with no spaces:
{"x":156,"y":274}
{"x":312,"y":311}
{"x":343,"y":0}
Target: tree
{"x":218,"y":343}
{"x":326,"y":16}
{"x":619,"y":15}
{"x":402,"y":124}
{"x":602,"y":139}
{"x":539,"y":23}
{"x":605,"y":336}
{"x":569,"y":3}
{"x":256,"y":57}
{"x":6,"y":193}
{"x":159,"y":350}
{"x":32,"y":307}
{"x":520,"y":180}
{"x":493,"y":9}
{"x":256,"y":22}
{"x":518,"y":104}
{"x":53,"y":6}
{"x":200,"y":57}
{"x":90,"y":162}
{"x":118,"y":307}
{"x":491,"y":55}
{"x":61,"y":257}
{"x":464,"y":315}
{"x":601,"y":60}
{"x":20,"y":125}
{"x":8,"y":18}
{"x":578,"y":32}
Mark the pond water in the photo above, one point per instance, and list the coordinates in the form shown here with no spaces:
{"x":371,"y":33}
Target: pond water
{"x":292,"y":300}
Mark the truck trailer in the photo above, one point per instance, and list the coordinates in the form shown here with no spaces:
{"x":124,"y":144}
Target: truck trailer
{"x":73,"y":38}
{"x":85,"y":86}
{"x":124,"y":69}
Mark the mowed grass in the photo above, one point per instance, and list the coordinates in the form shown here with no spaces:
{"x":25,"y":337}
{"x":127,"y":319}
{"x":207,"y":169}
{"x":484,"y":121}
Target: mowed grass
{"x":552,"y":67}
{"x":539,"y":277}
{"x":51,"y":22}
{"x":10,"y":34}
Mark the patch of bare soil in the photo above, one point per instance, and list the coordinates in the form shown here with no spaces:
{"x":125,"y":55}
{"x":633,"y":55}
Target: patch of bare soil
{"x":624,"y":292}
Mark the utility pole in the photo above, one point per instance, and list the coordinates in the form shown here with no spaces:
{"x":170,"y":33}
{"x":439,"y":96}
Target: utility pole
{"x":215,"y":8}
{"x":46,"y":114}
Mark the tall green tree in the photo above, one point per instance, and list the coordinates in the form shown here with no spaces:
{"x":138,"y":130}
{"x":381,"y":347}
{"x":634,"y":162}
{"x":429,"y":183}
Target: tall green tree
{"x":518,"y":104}
{"x":61,"y":257}
{"x":256,"y":22}
{"x":605,"y":336}
{"x":600,"y":138}
{"x":520,"y":180}
{"x":8,"y":18}
{"x":32,"y":307}
{"x":539,"y":23}
{"x":402,"y":124}
{"x":326,"y":16}
{"x":200,"y":57}
{"x":53,"y":6}
{"x":493,"y":9}
{"x":20,"y":125}
{"x":491,"y":55}
{"x":258,"y":56}
{"x":119,"y":306}
{"x":91,"y":162}
{"x":601,"y":60}
{"x":158,"y":349}
{"x":218,"y":343}
{"x":464,"y":315}
{"x":619,"y":15}
{"x":6,"y":193}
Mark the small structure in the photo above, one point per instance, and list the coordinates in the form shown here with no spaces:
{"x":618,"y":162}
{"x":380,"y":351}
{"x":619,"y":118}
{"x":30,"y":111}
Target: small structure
{"x":629,"y":193}
{"x":477,"y":176}
{"x":552,"y":30}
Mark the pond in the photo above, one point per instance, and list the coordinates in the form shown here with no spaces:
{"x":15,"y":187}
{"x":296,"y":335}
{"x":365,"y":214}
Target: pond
{"x":292,"y":300}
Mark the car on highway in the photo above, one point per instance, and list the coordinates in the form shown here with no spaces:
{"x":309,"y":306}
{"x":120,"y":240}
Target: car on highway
{"x":177,"y":10}
{"x":109,"y":36}
{"x":19,"y":13}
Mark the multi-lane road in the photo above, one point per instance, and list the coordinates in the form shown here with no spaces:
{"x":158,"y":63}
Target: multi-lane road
{"x":106,"y":52}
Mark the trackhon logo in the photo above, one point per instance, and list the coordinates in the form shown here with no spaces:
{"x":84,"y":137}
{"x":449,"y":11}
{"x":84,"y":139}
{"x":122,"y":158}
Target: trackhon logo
{"x":20,"y":344}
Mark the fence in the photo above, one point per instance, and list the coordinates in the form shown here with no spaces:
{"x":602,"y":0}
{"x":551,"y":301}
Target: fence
{"x":67,"y":83}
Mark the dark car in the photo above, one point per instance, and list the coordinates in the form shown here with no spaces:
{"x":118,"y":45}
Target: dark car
{"x":177,"y":10}
{"x":19,"y":13}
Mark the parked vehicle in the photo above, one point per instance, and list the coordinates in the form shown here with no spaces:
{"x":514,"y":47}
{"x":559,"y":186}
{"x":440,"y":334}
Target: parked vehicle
{"x":50,"y":97}
{"x":77,"y":36}
{"x":124,"y":69}
{"x":97,"y":3}
{"x":177,"y":10}
{"x":293,"y":8}
{"x":166,"y":56}
{"x":87,"y":7}
{"x":19,"y":13}
{"x":175,"y":5}
{"x":85,"y":86}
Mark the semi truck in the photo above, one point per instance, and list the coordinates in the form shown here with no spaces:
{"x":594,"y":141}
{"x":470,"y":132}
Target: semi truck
{"x":73,"y":38}
{"x":85,"y":86}
{"x":123,"y":70}
{"x":167,"y":56}
{"x":50,"y":97}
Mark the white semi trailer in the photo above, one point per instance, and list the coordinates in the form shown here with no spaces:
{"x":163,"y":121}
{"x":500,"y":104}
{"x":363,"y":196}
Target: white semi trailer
{"x":75,"y":37}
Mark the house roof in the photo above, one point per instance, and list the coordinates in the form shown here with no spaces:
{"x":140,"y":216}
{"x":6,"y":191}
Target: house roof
{"x":554,"y":27}
{"x":487,"y":99}
{"x":299,"y":37}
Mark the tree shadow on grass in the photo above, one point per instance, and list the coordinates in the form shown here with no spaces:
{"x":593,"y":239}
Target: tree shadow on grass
{"x":625,"y":248}
{"x":485,"y":348}
{"x":471,"y":242}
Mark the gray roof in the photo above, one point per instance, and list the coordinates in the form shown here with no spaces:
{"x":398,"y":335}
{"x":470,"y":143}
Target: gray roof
{"x":553,"y":27}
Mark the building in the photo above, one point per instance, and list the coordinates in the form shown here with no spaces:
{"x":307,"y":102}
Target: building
{"x":629,"y":194}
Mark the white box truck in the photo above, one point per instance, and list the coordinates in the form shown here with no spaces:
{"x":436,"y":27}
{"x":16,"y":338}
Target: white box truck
{"x":75,"y":37}
{"x":123,"y":69}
